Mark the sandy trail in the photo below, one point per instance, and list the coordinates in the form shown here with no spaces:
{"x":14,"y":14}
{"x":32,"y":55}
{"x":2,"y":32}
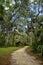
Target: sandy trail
{"x":20,"y":57}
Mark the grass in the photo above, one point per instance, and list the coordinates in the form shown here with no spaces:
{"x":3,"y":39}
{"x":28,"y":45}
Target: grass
{"x":5,"y":54}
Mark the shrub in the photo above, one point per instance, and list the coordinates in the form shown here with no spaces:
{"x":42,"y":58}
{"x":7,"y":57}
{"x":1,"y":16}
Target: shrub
{"x":40,"y":50}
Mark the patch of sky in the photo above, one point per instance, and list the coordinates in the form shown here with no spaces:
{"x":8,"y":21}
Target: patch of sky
{"x":40,"y":9}
{"x":24,"y":25}
{"x":14,"y":28}
{"x":41,"y":14}
{"x":35,"y":10}
{"x":6,"y":8}
{"x":28,"y":19}
{"x":31,"y":0}
{"x":14,"y":17}
{"x":41,"y":22}
{"x":13,"y":12}
{"x":12,"y":2}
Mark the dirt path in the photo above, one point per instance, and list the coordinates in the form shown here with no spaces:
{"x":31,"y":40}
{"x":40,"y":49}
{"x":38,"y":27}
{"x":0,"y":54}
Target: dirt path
{"x":20,"y":57}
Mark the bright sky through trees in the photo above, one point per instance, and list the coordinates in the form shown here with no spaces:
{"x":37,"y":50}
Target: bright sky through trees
{"x":31,"y":0}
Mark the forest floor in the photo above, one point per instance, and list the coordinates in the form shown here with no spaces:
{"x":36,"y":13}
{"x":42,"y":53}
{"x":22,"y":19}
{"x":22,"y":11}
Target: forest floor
{"x":20,"y":57}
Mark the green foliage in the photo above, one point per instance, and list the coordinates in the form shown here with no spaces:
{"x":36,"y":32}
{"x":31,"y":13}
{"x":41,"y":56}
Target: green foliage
{"x":36,"y":42}
{"x":33,"y":45}
{"x":35,"y":28}
{"x":40,"y":50}
{"x":1,"y":10}
{"x":2,"y":38}
{"x":7,"y":3}
{"x":25,"y":2}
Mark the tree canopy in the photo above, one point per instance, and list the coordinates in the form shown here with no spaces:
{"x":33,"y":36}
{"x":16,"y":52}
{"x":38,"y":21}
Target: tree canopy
{"x":19,"y":17}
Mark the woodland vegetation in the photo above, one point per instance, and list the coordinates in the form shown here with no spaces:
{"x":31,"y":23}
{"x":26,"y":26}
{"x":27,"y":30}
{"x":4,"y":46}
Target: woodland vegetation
{"x":21,"y":23}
